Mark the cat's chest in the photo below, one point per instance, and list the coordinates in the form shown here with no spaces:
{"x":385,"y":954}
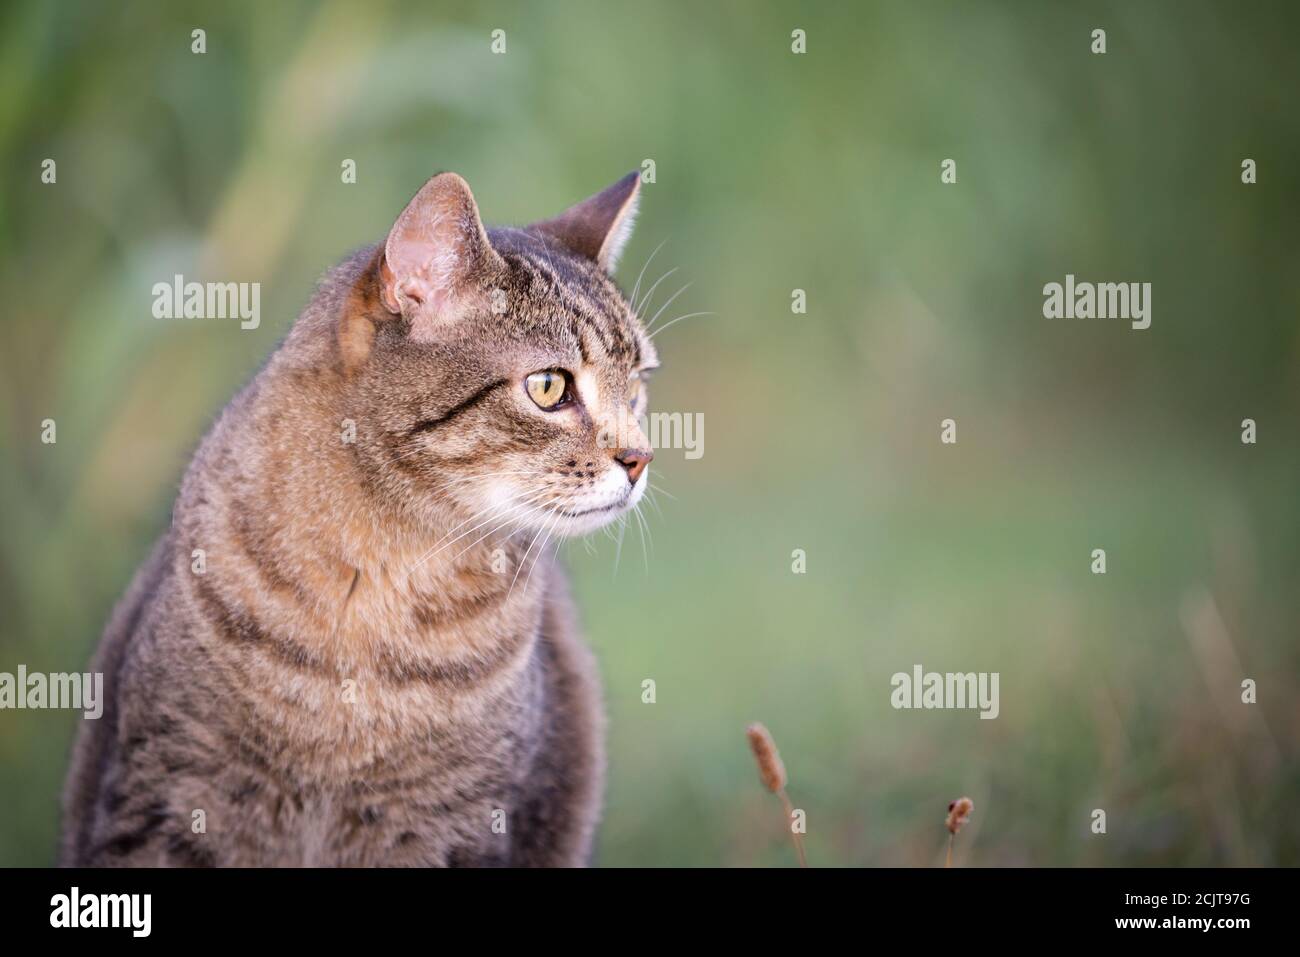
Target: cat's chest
{"x":401,"y":718}
{"x":395,"y":788}
{"x":407,"y":666}
{"x":432,"y":819}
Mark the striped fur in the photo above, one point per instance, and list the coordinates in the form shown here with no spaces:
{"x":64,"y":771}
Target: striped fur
{"x":352,"y":680}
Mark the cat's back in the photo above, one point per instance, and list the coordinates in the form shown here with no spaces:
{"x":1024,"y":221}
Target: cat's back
{"x":96,"y":740}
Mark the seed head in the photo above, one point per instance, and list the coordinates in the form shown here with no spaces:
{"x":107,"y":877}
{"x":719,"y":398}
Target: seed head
{"x":959,"y":812}
{"x":770,"y":769}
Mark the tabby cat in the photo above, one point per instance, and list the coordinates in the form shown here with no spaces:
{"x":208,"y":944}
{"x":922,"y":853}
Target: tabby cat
{"x":352,"y":647}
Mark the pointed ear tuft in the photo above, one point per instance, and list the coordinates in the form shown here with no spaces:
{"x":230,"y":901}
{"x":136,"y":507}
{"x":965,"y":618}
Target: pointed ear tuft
{"x":436,"y":256}
{"x":599,"y":227}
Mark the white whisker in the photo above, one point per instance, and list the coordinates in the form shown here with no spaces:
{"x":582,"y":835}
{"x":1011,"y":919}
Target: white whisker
{"x":538,"y":558}
{"x":523,"y":561}
{"x":689,"y":315}
{"x":641,"y":275}
{"x":492,"y":531}
{"x":618,"y":551}
{"x":500,"y":510}
{"x":649,"y":497}
{"x":668,"y":302}
{"x":663,"y":491}
{"x":645,"y":555}
{"x":651,"y":291}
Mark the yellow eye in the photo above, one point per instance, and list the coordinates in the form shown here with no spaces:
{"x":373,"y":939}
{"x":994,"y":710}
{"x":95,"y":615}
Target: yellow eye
{"x":547,"y":389}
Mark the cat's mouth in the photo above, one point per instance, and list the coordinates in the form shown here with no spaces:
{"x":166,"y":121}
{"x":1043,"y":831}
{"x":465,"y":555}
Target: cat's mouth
{"x":578,"y":520}
{"x":552,"y":512}
{"x":595,"y":511}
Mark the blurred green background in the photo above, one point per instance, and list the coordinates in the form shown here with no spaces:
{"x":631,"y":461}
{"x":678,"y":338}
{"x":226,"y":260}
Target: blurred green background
{"x":774,"y":171}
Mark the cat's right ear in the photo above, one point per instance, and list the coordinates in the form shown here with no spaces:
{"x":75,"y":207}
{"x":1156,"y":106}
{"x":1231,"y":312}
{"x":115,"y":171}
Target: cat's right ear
{"x":436,"y":257}
{"x":600,"y":226}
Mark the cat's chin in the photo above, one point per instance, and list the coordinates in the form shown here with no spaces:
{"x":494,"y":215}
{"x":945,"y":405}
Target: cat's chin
{"x":583,"y":519}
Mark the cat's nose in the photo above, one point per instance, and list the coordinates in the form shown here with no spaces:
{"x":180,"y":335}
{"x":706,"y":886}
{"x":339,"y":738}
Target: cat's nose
{"x":635,"y":461}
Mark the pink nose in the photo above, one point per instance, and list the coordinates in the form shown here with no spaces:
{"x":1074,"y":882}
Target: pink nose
{"x":635,"y":461}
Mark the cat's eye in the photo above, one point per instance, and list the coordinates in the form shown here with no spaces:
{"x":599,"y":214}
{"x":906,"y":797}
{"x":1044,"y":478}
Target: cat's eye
{"x":548,"y":389}
{"x":636,"y":392}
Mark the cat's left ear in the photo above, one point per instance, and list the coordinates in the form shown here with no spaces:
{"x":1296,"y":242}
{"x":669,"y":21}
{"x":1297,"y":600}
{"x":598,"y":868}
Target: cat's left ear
{"x":599,"y":227}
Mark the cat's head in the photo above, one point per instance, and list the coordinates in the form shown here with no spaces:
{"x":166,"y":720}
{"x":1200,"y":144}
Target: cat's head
{"x":499,"y":374}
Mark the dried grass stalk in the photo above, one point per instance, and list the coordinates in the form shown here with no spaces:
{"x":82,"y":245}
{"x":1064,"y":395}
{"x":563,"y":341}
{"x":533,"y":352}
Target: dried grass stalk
{"x":959,"y":812}
{"x":771,"y":771}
